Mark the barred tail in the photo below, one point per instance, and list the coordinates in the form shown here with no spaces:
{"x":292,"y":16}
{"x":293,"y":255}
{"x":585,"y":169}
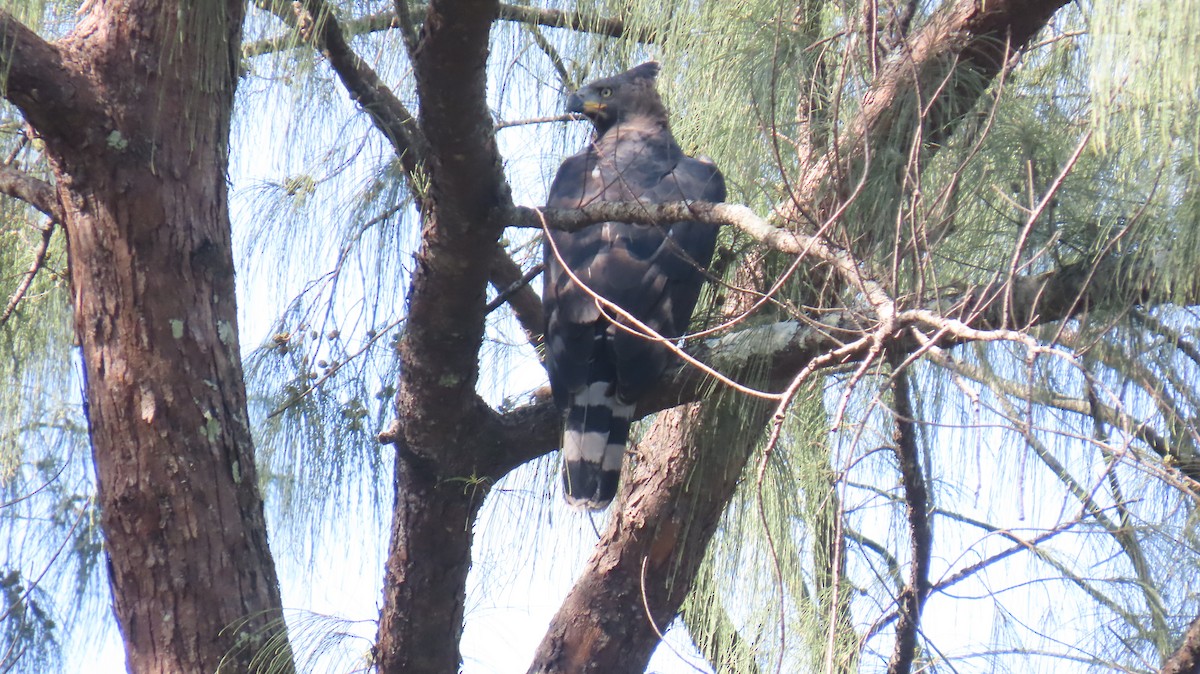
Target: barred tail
{"x":594,"y":440}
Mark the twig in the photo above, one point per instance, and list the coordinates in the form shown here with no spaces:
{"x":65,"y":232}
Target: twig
{"x":508,"y":292}
{"x":642,"y":329}
{"x":381,"y":21}
{"x":568,"y":117}
{"x":334,"y":370}
{"x":39,"y":258}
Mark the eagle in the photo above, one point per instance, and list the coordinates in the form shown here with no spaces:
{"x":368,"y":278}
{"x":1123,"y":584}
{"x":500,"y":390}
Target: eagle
{"x":599,"y":370}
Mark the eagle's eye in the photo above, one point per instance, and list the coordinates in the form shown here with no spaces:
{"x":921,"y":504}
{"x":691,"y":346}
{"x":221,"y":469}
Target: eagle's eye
{"x":605,"y":92}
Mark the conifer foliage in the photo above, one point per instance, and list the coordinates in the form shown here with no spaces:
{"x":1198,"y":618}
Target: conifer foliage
{"x":268,"y":268}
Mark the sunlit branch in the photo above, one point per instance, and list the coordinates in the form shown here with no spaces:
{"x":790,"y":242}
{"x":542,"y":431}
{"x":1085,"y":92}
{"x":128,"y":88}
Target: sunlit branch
{"x":537,"y":120}
{"x":739,"y":216}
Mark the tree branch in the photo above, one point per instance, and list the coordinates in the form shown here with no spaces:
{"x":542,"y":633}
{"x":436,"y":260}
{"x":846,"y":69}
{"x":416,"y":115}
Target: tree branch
{"x":439,"y":484}
{"x":580,"y":22}
{"x":916,"y":499}
{"x":576,"y":21}
{"x":512,"y":286}
{"x":315,"y":21}
{"x":969,"y":35}
{"x":37,"y":193}
{"x":39,"y":258}
{"x":971,"y":315}
{"x":54,"y":98}
{"x":661,"y":543}
{"x":653,"y":546}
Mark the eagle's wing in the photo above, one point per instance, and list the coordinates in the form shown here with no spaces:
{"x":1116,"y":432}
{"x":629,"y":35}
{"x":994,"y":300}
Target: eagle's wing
{"x":597,"y":371}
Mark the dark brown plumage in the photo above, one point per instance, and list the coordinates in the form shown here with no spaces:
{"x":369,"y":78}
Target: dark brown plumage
{"x":598,"y":371}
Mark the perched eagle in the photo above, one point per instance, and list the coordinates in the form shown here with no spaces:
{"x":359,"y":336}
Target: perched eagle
{"x":598,"y":370}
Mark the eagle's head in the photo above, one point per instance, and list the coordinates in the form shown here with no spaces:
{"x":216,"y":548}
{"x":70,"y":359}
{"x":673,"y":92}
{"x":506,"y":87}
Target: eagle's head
{"x":621,"y":97}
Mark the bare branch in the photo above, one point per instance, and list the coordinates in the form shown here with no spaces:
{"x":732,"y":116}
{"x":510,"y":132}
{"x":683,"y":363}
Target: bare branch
{"x":579,"y":22}
{"x":51,"y":96}
{"x":314,"y":21}
{"x":513,"y":287}
{"x":537,"y":120}
{"x":39,"y":258}
{"x":37,"y":193}
{"x":736,"y":215}
{"x":916,"y":499}
{"x":972,"y":314}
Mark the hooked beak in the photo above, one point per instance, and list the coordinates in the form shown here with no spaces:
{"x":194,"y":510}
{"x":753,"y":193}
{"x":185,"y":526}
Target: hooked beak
{"x":576,"y":103}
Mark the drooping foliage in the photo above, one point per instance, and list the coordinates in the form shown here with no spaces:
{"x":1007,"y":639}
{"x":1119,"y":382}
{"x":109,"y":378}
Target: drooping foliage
{"x":1059,"y":454}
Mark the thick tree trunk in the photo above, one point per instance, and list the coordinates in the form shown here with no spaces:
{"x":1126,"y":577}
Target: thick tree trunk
{"x":442,"y":460}
{"x":139,"y":150}
{"x":432,"y":529}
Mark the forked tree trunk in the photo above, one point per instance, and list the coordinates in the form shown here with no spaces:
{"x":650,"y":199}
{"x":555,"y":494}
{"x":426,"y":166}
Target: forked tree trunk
{"x":134,"y":108}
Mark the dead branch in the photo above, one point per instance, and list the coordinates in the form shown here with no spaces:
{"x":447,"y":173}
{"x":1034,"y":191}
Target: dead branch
{"x":916,"y":499}
{"x":512,"y":286}
{"x":580,"y":22}
{"x":39,"y":259}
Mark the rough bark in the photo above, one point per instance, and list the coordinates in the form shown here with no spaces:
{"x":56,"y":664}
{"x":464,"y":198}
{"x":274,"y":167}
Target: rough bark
{"x":134,"y":108}
{"x":1185,"y":660}
{"x":439,"y":449}
{"x":650,"y":552}
{"x":916,"y":498}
